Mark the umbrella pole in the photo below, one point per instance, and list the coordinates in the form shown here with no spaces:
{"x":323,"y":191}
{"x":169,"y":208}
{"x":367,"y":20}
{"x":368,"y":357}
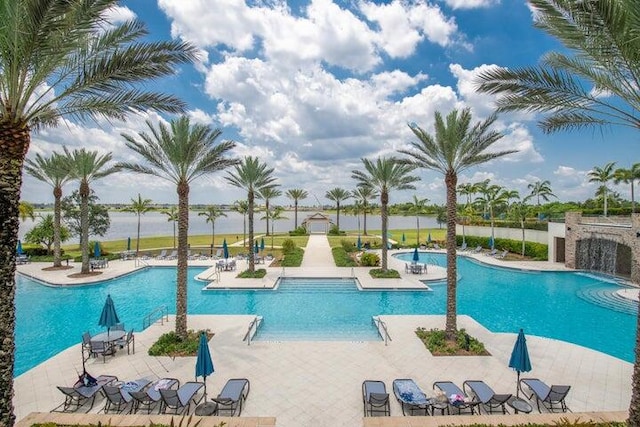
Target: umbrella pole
{"x":518,"y":386}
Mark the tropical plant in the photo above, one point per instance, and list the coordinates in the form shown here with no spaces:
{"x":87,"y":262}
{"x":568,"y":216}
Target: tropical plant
{"x":385,"y":175}
{"x":26,"y":210}
{"x":602,"y":175}
{"x":541,"y":189}
{"x":337,"y":195}
{"x":363,"y":195}
{"x":86,"y":167}
{"x":172,"y":216}
{"x":276,"y":215}
{"x":64,"y":58}
{"x":628,"y":176}
{"x":242,"y":207}
{"x":481,"y":188}
{"x":466,"y":212}
{"x":417,"y":208}
{"x":211,"y":213}
{"x":266,"y":194}
{"x":493,"y":198}
{"x":251,"y":175}
{"x":98,"y":215}
{"x":467,"y":191}
{"x":296,"y":194}
{"x":179,"y":153}
{"x":519,"y":211}
{"x":43,"y":233}
{"x":139,"y":207}
{"x":55,"y":171}
{"x":456,"y":146}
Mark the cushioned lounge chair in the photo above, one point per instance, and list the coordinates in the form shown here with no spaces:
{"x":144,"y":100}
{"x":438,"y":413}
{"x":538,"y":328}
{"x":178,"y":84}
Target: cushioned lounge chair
{"x":410,"y":397}
{"x":548,"y":396}
{"x":484,"y":394}
{"x":148,"y":398}
{"x":375,"y":398}
{"x":477,"y":250}
{"x":492,"y":252}
{"x":232,"y":396}
{"x":179,"y":401}
{"x":79,"y":395}
{"x":451,"y":390}
{"x":502,"y":255}
{"x":118,"y":398}
{"x":162,"y":254}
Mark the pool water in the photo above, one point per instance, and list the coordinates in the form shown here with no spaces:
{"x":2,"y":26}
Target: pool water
{"x":50,"y":319}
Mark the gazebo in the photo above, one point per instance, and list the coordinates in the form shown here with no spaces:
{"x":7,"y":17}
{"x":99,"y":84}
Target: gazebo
{"x":312,"y":223}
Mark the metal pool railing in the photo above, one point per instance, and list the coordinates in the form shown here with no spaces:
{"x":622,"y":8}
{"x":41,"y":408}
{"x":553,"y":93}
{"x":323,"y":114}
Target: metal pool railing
{"x":160,"y":313}
{"x":252,"y":329}
{"x":382,"y":329}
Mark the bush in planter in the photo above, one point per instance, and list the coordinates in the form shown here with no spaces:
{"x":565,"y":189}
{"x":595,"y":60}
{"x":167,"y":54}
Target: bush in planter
{"x":348,"y":246}
{"x":335,"y":231}
{"x":288,"y":246}
{"x":369,"y":259}
{"x":300,"y":231}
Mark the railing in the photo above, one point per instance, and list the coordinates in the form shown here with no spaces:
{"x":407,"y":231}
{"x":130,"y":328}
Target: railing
{"x":139,"y":262}
{"x":162,"y":312}
{"x":382,"y":329}
{"x":255,"y":323}
{"x":283,"y":272}
{"x":215,"y":273}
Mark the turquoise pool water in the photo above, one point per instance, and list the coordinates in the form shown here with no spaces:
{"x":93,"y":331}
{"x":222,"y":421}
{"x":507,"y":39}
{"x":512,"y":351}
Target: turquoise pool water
{"x":50,"y":319}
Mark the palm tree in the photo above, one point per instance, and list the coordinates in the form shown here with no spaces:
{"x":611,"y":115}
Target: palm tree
{"x":385,"y":175}
{"x":276,"y":215}
{"x":481,"y":188}
{"x":26,"y":210}
{"x":337,"y":195}
{"x":628,"y":176}
{"x":519,"y":211}
{"x":139,"y":207}
{"x":242,"y":207}
{"x":467,"y":190}
{"x":266,"y":194}
{"x":417,"y":207}
{"x":64,"y":58}
{"x":493,"y":198}
{"x":541,"y":189}
{"x":455,"y":147}
{"x":55,"y":171}
{"x":364,"y":194}
{"x":86,"y":167}
{"x":296,"y":194}
{"x":211,"y":213}
{"x":603,"y":175}
{"x":172,"y":216}
{"x":179,"y":153}
{"x":251,"y":175}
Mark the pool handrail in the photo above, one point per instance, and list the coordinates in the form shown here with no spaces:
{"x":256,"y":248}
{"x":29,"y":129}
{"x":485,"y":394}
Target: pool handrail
{"x":381,"y":326}
{"x":164,"y":316}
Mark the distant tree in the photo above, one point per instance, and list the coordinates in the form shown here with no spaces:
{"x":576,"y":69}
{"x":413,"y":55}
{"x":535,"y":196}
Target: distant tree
{"x":296,"y":194}
{"x":602,"y":175}
{"x":337,"y":195}
{"x":98,"y":221}
{"x":242,"y":207}
{"x":267,"y":194}
{"x":211,"y":213}
{"x":275,"y":214}
{"x":467,"y":191}
{"x":26,"y":210}
{"x":172,"y":216}
{"x":418,"y":207}
{"x":364,"y":195}
{"x":139,"y":207}
{"x":541,"y":189}
{"x":494,"y":198}
{"x":42,"y":233}
{"x":519,"y":211}
{"x":628,"y":176}
{"x":441,"y":215}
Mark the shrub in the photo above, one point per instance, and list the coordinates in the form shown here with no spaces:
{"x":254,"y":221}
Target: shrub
{"x":342,"y":257}
{"x":537,"y":251}
{"x":465,"y":345}
{"x":348,"y":246}
{"x":377,"y":273}
{"x":258,"y":274}
{"x":369,"y":259}
{"x":300,"y":231}
{"x":170,"y":344}
{"x":335,"y":231}
{"x":292,"y":258}
{"x":288,"y":246}
{"x":36,"y":251}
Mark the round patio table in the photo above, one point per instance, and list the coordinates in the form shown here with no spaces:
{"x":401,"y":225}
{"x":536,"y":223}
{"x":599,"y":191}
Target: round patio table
{"x":206,"y":409}
{"x":109,"y":337}
{"x":520,"y":405}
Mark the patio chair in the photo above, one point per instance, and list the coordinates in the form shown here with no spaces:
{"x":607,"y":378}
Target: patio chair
{"x":457,"y":398}
{"x":375,"y":398}
{"x":118,"y":327}
{"x":218,"y":254}
{"x":101,"y":348}
{"x":492,"y":252}
{"x":173,"y":255}
{"x":436,"y":246}
{"x":86,"y":341}
{"x":128,"y":340}
{"x":411,"y":398}
{"x":180,"y":400}
{"x":119,"y":397}
{"x":77,"y":396}
{"x":463,"y":247}
{"x":482,"y":393}
{"x":148,"y":398}
{"x":502,"y":254}
{"x":477,"y":250}
{"x":162,"y":254}
{"x":232,"y":396}
{"x":548,"y":396}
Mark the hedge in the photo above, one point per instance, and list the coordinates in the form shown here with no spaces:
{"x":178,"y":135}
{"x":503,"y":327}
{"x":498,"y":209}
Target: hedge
{"x":537,"y":251}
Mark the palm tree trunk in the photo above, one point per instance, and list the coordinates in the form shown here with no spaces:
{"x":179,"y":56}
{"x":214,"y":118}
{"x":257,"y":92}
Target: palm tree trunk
{"x":138,"y":238}
{"x":634,"y":407}
{"x":213,"y":234}
{"x":57,"y":257}
{"x":84,"y":226}
{"x":14,"y":143}
{"x":451,"y":181}
{"x":252,"y":255}
{"x":364,"y":221}
{"x":493,"y":238}
{"x":183,"y":234}
{"x":266,"y":204}
{"x":384,"y":200}
{"x":633,"y":200}
{"x":174,"y":234}
{"x":605,"y":201}
{"x":417,"y":230}
{"x":338,"y":216}
{"x":295,"y":205}
{"x":244,"y":230}
{"x":523,"y":241}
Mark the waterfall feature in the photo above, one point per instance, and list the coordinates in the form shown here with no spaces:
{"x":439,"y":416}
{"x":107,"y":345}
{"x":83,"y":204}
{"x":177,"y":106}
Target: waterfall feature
{"x":597,"y":255}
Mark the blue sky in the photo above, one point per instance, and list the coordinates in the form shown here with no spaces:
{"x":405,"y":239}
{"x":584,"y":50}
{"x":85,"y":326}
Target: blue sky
{"x":312,"y":87}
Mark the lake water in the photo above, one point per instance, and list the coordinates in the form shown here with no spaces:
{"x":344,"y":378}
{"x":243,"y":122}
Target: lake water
{"x":123,"y":224}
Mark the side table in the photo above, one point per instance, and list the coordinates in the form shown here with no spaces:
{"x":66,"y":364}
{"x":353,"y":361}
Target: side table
{"x":520,"y":405}
{"x":206,"y":409}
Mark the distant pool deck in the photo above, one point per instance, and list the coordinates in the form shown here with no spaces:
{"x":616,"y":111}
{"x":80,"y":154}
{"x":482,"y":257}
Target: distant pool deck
{"x":304,"y":383}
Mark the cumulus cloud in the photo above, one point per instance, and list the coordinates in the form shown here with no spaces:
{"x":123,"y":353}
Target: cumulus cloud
{"x":119,"y":14}
{"x":470,"y":4}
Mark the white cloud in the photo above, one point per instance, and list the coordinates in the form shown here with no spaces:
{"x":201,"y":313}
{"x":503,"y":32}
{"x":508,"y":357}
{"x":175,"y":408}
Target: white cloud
{"x":470,"y":4}
{"x":572,"y":184}
{"x":517,"y":137}
{"x":119,"y":14}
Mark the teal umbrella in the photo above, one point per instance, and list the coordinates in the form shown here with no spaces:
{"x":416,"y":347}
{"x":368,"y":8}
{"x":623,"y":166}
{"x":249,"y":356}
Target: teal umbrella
{"x":128,"y":243}
{"x":262,"y":243}
{"x":359,"y":244}
{"x":108,"y":317}
{"x":429,"y":238}
{"x":96,"y":250}
{"x":256,"y":248}
{"x":19,"y":248}
{"x":404,"y":239}
{"x":520,"y":358}
{"x":416,"y":256}
{"x":204,"y":364}
{"x":491,"y":242}
{"x":225,"y":249}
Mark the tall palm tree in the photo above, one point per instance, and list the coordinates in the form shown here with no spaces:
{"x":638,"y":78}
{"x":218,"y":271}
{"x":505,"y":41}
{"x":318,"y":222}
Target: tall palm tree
{"x":541,"y":189}
{"x":337,"y":195}
{"x":456,"y":146}
{"x":58,"y":58}
{"x":628,"y":176}
{"x":211,"y":213}
{"x":519,"y":211}
{"x":296,"y":194}
{"x":275,"y":213}
{"x":55,"y":171}
{"x":267,"y":194}
{"x":242,"y":207}
{"x":251,"y":175}
{"x":26,"y":210}
{"x":86,"y":167}
{"x":172,"y":216}
{"x":364,"y":194}
{"x":386,"y":174}
{"x":139,"y":207}
{"x":481,"y":188}
{"x":603,"y":175}
{"x":494,"y":198}
{"x":179,"y":153}
{"x":467,"y":191}
{"x":417,"y":207}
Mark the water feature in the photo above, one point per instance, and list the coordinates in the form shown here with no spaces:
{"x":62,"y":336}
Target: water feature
{"x":597,"y":254}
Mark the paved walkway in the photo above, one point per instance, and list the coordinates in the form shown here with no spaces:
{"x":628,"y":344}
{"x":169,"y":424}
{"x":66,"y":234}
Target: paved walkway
{"x":319,"y":383}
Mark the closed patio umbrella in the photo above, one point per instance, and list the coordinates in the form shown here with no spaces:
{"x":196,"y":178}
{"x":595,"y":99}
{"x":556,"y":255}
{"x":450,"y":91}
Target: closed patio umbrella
{"x":225,"y":249}
{"x":19,"y":248}
{"x":429,"y":238}
{"x":262,"y":244}
{"x":108,"y":317}
{"x":128,"y":243}
{"x":204,"y":364}
{"x":416,"y":256}
{"x":359,"y":244}
{"x":491,"y":242}
{"x":256,"y":249}
{"x":96,"y":250}
{"x":520,"y":358}
{"x":404,"y":238}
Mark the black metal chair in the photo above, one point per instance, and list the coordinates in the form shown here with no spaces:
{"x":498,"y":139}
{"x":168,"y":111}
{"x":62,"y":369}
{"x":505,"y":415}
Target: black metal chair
{"x":484,"y":394}
{"x":232,"y":396}
{"x":375,"y":398}
{"x":101,"y":348}
{"x":79,"y":395}
{"x":150,"y":397}
{"x":128,"y":340}
{"x":179,"y":401}
{"x":548,"y":396}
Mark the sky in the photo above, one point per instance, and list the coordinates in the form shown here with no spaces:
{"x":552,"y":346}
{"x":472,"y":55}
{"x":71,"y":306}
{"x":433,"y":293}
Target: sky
{"x":312,"y":87}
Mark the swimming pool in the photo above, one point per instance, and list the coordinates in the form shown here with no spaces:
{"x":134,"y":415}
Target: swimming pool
{"x":50,"y":319}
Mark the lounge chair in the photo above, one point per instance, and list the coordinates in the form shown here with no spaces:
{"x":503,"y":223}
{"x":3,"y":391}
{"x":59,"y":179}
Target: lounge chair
{"x":463,"y":247}
{"x":502,"y":254}
{"x":118,"y":398}
{"x":375,"y":398}
{"x":173,"y":255}
{"x":232,"y":396}
{"x":548,"y":396}
{"x":162,"y":254}
{"x":457,"y":398}
{"x":180,"y":400}
{"x":410,"y":397}
{"x":218,"y":254}
{"x":492,"y":252}
{"x":482,"y":393}
{"x":436,"y":246}
{"x":77,"y":396}
{"x":477,"y":250}
{"x":148,"y":398}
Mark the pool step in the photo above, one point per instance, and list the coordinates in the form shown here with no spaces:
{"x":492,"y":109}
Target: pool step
{"x":608,"y":298}
{"x":329,"y":285}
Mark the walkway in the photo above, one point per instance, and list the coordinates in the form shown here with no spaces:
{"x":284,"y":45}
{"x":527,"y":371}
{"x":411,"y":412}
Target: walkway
{"x":317,"y":253}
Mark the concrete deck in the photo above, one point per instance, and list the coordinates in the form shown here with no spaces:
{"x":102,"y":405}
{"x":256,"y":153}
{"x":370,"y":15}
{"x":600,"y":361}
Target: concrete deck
{"x":319,"y":383}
